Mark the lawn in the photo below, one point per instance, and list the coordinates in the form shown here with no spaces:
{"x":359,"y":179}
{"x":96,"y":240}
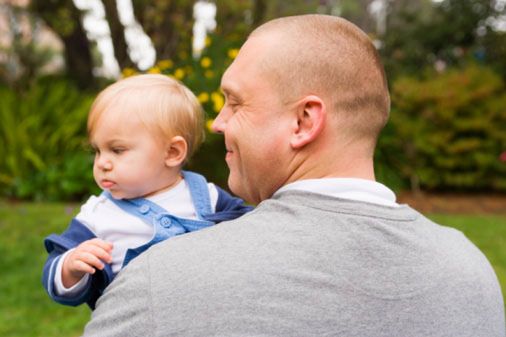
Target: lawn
{"x":25,"y":309}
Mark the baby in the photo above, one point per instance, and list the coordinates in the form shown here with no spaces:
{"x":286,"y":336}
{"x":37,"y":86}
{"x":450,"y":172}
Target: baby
{"x":143,"y":129}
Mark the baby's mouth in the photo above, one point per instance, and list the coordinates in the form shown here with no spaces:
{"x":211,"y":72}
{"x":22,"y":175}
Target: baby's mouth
{"x":107,"y":183}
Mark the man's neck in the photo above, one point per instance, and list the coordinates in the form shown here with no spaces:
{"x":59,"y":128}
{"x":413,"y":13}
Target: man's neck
{"x":346,"y":188}
{"x":360,"y":168}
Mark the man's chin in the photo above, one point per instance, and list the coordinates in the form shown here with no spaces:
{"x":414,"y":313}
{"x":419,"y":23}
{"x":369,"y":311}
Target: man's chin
{"x":235,"y":186}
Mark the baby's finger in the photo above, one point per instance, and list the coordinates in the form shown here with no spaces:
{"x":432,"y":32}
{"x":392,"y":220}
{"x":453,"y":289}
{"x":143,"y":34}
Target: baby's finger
{"x":97,"y":251}
{"x":81,"y":266}
{"x":107,"y":246}
{"x":91,"y":260}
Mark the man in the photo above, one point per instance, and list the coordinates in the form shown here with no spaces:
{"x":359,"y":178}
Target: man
{"x":328,"y":251}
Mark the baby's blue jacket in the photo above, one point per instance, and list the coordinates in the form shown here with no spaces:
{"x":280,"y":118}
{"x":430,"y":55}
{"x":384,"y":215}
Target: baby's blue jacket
{"x":227,"y":208}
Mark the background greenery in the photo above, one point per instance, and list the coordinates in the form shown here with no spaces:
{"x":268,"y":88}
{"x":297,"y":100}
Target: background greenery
{"x":447,"y":81}
{"x":28,"y":312}
{"x":446,"y":66}
{"x":42,"y":141}
{"x":447,"y":130}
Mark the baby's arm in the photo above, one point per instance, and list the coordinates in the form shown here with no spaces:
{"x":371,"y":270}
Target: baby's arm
{"x":85,"y":259}
{"x":59,"y":248}
{"x":227,"y":207}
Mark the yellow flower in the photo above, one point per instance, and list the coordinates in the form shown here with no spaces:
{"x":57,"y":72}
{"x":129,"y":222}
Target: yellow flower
{"x":205,"y":62}
{"x":209,"y":123}
{"x":165,"y":64}
{"x":232,"y":53}
{"x":203,"y":97}
{"x":154,"y":70}
{"x":179,"y":73}
{"x":208,"y":41}
{"x":209,"y":74}
{"x":218,"y":101}
{"x":127,"y":72}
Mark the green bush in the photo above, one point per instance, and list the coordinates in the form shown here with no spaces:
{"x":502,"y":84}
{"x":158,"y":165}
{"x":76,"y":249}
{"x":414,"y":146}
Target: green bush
{"x":447,"y":131}
{"x":42,"y":138}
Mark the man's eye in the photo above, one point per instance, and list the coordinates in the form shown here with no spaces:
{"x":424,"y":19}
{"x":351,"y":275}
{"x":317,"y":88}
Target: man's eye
{"x":233,"y":106}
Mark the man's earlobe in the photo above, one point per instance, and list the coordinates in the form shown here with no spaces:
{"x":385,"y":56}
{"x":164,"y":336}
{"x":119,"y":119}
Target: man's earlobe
{"x":176,"y":152}
{"x":311,"y":118}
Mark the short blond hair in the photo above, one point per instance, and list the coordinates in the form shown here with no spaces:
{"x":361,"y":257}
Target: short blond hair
{"x":321,"y":54}
{"x":163,"y":104}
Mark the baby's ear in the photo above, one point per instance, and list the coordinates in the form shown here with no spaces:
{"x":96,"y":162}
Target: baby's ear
{"x":176,"y":152}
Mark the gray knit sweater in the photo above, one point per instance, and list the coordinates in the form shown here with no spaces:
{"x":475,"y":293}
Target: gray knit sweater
{"x":304,"y":264}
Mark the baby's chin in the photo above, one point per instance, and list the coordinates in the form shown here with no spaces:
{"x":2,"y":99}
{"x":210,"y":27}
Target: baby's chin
{"x":117,"y":193}
{"x":118,"y":196}
{"x":121,"y":195}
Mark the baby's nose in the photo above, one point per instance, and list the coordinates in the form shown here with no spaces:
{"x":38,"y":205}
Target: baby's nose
{"x":103,"y":163}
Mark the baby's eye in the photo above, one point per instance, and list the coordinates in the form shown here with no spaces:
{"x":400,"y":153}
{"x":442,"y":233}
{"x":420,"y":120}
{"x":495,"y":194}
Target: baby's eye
{"x":118,"y":150}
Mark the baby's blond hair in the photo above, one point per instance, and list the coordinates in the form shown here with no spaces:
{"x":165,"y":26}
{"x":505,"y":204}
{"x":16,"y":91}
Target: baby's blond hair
{"x":164,"y":105}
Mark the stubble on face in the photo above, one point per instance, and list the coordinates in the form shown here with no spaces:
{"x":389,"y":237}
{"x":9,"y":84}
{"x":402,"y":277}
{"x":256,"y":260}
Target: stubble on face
{"x":257,"y":124}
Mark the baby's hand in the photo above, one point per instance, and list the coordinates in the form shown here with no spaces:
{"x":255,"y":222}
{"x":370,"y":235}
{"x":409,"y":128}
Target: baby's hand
{"x":87,"y":257}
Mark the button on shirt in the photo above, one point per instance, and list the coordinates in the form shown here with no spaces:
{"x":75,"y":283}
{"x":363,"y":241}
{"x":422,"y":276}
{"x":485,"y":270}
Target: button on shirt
{"x":108,"y":222}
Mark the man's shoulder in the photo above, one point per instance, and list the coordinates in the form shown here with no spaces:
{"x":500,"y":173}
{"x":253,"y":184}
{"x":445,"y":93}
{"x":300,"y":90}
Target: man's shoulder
{"x":217,"y":241}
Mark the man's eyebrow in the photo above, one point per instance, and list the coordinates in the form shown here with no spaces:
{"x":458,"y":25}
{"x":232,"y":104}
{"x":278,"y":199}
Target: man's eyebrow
{"x":225,"y":91}
{"x":229,"y":92}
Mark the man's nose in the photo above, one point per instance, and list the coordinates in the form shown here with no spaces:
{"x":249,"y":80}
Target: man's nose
{"x":219,"y":123}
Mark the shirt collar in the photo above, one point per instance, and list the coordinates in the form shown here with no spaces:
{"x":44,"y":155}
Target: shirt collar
{"x":346,"y":188}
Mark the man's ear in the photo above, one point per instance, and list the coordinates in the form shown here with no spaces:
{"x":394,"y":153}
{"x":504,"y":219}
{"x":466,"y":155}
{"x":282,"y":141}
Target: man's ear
{"x":311,"y":116}
{"x":176,"y":151}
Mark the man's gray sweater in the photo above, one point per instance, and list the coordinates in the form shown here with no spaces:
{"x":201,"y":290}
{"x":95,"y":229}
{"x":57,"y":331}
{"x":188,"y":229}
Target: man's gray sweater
{"x":304,"y":264}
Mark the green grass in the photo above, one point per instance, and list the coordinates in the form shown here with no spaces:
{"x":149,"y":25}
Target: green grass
{"x":26,"y":310}
{"x":488,"y":232}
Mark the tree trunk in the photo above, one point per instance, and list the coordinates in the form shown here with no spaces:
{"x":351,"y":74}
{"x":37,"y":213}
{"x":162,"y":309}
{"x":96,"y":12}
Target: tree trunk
{"x":259,"y":11}
{"x":117,"y":34}
{"x":169,"y":25}
{"x":65,"y":19}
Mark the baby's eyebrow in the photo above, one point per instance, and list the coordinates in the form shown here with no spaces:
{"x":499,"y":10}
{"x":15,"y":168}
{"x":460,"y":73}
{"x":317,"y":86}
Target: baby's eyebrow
{"x":114,"y":142}
{"x":109,"y":143}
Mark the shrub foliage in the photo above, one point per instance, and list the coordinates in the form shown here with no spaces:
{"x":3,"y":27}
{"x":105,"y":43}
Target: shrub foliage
{"x":42,"y":138}
{"x":447,"y":131}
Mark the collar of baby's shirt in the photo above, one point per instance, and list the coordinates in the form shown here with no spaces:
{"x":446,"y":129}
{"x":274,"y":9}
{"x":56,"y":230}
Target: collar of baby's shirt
{"x":174,"y":192}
